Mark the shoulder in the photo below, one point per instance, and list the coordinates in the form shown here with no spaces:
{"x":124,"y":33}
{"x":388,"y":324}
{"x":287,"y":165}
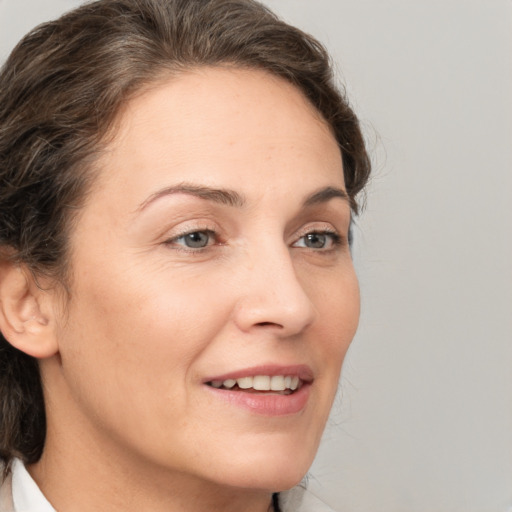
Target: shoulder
{"x":299,"y":499}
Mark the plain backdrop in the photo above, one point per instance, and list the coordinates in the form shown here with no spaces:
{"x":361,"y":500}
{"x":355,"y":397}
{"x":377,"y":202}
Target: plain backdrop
{"x":423,"y":421}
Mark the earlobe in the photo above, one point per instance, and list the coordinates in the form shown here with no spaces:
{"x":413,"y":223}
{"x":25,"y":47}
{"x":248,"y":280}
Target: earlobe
{"x":25,"y":312}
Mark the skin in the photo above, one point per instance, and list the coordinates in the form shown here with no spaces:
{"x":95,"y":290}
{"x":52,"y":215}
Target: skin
{"x":131,"y":424}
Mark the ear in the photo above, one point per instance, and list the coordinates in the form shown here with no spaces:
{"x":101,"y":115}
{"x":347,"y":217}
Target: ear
{"x":26,"y":312}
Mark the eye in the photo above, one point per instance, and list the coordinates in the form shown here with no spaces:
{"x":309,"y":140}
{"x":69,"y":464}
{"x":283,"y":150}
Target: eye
{"x":318,"y":240}
{"x":194,"y":239}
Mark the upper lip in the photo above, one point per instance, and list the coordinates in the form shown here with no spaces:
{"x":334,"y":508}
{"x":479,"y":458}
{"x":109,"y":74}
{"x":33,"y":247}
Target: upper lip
{"x":304,"y":372}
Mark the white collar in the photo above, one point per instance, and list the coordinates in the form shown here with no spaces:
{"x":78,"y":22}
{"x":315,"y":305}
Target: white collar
{"x":26,"y":495}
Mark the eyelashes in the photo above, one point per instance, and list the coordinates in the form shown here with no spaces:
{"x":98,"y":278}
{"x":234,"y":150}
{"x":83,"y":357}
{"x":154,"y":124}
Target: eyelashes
{"x":195,"y":239}
{"x":199,"y":240}
{"x":320,"y":240}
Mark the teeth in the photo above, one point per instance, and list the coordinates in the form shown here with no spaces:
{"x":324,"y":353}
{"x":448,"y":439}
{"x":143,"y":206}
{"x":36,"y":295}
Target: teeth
{"x":260,"y":383}
{"x":229,"y":383}
{"x":277,"y":383}
{"x":244,"y":382}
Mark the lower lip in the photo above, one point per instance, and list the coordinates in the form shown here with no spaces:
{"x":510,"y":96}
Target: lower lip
{"x":266,"y":404}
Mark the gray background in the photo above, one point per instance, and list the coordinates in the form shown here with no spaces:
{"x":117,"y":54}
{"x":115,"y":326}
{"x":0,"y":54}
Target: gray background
{"x":424,"y":418}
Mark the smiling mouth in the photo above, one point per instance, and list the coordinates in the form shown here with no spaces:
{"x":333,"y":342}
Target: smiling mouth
{"x":262,"y":384}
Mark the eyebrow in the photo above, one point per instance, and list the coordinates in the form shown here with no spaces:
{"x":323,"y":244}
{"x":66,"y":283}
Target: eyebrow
{"x":232,"y":198}
{"x":217,"y":195}
{"x":326,"y":194}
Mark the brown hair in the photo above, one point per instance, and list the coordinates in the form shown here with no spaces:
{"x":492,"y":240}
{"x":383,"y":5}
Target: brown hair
{"x":60,"y":92}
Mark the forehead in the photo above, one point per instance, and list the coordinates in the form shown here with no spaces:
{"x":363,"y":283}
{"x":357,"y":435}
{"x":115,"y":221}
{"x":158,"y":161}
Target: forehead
{"x":221,"y":124}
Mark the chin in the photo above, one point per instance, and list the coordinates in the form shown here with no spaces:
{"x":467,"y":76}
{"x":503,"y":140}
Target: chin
{"x":272,"y":481}
{"x":270,"y":470}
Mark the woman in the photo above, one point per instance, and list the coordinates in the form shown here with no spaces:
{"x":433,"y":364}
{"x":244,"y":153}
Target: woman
{"x":176,"y":287}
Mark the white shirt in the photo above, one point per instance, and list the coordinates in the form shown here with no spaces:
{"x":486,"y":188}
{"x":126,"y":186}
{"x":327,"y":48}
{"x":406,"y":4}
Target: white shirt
{"x":26,"y":495}
{"x":19,"y":493}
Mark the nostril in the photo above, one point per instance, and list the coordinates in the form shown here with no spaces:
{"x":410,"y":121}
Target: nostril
{"x":267,"y":324}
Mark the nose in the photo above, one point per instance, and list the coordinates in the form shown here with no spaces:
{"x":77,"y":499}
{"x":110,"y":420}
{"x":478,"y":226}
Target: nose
{"x":271,"y":295}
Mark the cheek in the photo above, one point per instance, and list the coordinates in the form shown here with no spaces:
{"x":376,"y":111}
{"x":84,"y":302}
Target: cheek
{"x":335,"y":296}
{"x":129,"y":350}
{"x":150,"y":323}
{"x":147,"y":319}
{"x":337,"y":303}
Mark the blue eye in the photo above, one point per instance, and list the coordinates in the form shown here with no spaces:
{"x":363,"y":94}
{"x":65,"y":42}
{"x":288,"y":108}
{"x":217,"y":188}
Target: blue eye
{"x":318,"y":240}
{"x":315,"y":240}
{"x":195,"y":239}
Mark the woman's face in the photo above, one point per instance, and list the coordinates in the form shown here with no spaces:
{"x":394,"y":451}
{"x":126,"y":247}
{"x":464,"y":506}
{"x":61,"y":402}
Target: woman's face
{"x":212,"y":251}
